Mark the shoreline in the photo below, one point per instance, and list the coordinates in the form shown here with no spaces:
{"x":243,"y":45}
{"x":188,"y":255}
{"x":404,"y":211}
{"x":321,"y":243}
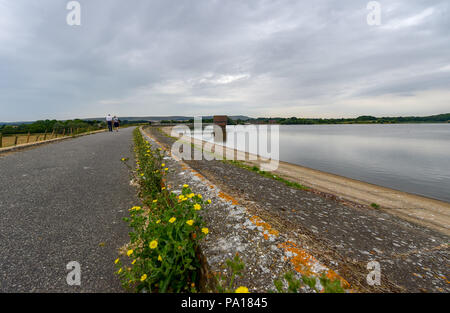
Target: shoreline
{"x":428,"y":212}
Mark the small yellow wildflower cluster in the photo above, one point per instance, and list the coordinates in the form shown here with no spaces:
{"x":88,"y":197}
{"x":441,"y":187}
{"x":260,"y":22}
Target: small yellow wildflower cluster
{"x":242,"y":290}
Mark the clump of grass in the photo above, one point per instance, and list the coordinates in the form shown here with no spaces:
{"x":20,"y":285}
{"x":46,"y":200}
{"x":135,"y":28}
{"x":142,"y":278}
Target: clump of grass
{"x":375,"y":206}
{"x":226,"y":283}
{"x":268,"y":175}
{"x":294,"y":285}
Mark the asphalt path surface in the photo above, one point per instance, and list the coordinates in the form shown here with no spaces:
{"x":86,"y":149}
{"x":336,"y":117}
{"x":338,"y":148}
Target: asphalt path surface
{"x":65,"y":202}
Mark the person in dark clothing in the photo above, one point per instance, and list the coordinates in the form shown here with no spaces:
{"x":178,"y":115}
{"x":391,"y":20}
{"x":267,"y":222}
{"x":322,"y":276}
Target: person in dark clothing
{"x":116,"y":123}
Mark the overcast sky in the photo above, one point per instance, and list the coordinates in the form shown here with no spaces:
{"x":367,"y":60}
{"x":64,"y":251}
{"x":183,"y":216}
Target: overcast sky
{"x":202,"y":57}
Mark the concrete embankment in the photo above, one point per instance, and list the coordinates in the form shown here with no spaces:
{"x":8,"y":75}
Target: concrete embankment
{"x":276,"y":228}
{"x":424,"y":211}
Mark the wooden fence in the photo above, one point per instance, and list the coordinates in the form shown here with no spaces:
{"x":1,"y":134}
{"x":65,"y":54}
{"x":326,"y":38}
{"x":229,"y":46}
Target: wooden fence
{"x":19,"y":139}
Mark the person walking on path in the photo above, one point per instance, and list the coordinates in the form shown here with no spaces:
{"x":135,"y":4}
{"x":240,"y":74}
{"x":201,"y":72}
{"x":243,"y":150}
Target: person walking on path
{"x":116,"y":123}
{"x":109,"y":122}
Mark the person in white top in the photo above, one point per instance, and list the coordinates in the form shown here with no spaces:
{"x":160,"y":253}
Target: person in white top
{"x":109,"y":122}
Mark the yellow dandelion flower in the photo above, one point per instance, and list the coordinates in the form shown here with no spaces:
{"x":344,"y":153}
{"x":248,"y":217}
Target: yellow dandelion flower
{"x":242,"y":289}
{"x":200,"y":196}
{"x":142,"y":174}
{"x":209,"y":201}
{"x":134,"y":261}
{"x":158,"y":221}
{"x":190,"y":222}
{"x":197,"y":207}
{"x":159,"y":258}
{"x":153,"y":244}
{"x":173,"y":219}
{"x":130,"y":252}
{"x":156,"y":200}
{"x":190,"y":195}
{"x":162,"y":165}
{"x":166,"y":169}
{"x":143,"y":277}
{"x":119,"y":271}
{"x":185,"y":186}
{"x":116,"y":261}
{"x":163,"y":188}
{"x":205,"y":230}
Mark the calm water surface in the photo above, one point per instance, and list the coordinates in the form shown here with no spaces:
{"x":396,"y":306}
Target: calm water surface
{"x":409,"y":157}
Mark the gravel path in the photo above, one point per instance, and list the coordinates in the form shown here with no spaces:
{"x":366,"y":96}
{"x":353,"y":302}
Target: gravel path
{"x":64,"y":202}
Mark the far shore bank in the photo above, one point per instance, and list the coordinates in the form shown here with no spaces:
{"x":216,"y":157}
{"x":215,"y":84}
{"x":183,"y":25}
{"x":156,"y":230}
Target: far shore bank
{"x":421,"y":210}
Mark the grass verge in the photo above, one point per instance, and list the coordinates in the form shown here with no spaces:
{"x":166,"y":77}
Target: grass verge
{"x":267,"y":174}
{"x":162,"y":253}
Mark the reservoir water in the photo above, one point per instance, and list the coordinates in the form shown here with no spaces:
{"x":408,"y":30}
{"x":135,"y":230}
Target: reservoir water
{"x":409,"y":157}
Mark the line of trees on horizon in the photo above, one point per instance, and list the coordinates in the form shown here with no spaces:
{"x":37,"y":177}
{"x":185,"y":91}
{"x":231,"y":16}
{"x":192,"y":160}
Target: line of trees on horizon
{"x":49,"y":126}
{"x":43,"y":126}
{"x":58,"y":126}
{"x":365,"y":119}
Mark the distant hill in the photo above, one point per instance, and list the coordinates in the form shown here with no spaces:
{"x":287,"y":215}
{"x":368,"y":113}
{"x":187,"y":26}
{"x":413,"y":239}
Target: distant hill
{"x":139,"y":118}
{"x":165,"y":118}
{"x":365,"y":119}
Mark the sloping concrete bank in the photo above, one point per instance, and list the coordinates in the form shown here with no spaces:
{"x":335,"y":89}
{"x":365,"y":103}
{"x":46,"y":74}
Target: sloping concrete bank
{"x":424,"y":211}
{"x":44,"y":142}
{"x":266,"y":252}
{"x":276,"y":228}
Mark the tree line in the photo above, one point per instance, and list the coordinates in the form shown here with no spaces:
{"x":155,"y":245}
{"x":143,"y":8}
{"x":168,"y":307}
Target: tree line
{"x":365,"y":119}
{"x":49,"y":126}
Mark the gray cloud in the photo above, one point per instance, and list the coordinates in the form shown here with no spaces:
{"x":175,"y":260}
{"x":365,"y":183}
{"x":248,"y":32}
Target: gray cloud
{"x":267,"y":57}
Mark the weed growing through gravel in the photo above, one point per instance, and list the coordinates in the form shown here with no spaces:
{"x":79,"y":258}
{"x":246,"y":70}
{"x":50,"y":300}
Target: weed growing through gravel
{"x":162,"y":254}
{"x":290,"y":284}
{"x":226,"y":283}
